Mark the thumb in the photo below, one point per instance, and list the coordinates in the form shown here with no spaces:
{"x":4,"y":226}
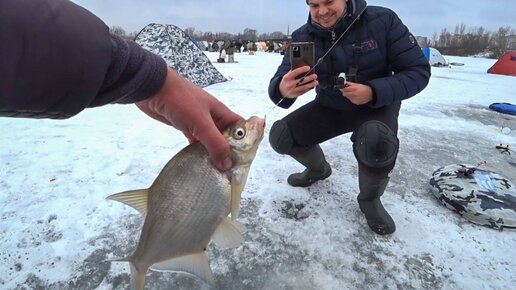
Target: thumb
{"x":217,"y":147}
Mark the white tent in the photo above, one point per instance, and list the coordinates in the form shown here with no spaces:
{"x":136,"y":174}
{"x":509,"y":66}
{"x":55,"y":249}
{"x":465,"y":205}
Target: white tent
{"x":180,"y":53}
{"x":434,"y":57}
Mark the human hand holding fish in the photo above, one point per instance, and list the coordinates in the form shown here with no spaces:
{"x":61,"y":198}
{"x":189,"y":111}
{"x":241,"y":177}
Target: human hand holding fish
{"x":188,"y":205}
{"x":198,"y":114}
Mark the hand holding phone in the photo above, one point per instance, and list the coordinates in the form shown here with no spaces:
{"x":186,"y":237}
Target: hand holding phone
{"x":301,"y":54}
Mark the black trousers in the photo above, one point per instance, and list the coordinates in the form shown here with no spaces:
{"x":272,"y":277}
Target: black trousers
{"x":313,"y":123}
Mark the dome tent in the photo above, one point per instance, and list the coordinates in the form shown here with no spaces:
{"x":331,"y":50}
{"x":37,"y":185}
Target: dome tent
{"x":434,"y":57}
{"x":180,"y":53}
{"x":506,"y":65}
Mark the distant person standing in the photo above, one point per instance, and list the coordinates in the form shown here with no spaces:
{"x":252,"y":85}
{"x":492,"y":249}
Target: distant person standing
{"x":383,"y":64}
{"x":239,"y":45}
{"x":230,"y":50}
{"x":270,"y":46}
{"x":283,"y":48}
{"x":227,"y":49}
{"x":214,"y":46}
{"x":252,"y":47}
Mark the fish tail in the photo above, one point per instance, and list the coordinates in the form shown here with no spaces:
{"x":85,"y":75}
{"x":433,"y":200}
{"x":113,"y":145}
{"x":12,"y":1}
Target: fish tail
{"x":137,"y":277}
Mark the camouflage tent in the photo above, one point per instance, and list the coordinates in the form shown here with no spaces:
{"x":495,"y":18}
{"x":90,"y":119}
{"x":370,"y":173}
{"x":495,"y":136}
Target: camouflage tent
{"x":481,"y":196}
{"x":180,"y":53}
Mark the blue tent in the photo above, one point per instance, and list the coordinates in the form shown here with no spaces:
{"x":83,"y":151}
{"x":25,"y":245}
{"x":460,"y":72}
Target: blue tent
{"x":434,"y":57}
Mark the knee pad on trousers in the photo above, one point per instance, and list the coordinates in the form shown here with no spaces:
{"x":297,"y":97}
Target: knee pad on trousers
{"x":376,"y":146}
{"x":280,"y":137}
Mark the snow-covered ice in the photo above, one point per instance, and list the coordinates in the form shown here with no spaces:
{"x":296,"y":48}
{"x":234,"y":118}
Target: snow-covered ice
{"x":57,"y":230}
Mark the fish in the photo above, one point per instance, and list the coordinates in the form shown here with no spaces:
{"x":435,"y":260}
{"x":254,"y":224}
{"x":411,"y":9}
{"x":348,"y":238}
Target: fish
{"x":191,"y":203}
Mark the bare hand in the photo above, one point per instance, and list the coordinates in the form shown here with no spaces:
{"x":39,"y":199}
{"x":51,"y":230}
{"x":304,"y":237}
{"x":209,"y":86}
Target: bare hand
{"x":198,"y":114}
{"x":357,"y":94}
{"x":291,"y":88}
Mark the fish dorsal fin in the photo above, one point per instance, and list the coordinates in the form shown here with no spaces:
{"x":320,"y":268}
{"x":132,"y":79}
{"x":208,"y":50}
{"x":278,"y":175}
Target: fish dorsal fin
{"x":134,"y":198}
{"x":238,"y":180}
{"x":228,"y":234}
{"x":195,"y":264}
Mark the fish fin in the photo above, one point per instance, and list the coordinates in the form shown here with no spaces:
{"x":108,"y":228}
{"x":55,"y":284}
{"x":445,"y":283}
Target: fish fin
{"x":137,"y":278}
{"x":135,"y":198}
{"x":237,"y":186}
{"x":195,"y":264}
{"x":228,"y":234}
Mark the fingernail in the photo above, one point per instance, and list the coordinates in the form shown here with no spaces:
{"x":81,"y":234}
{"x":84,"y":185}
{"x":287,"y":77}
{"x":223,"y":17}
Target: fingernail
{"x":226,"y":163}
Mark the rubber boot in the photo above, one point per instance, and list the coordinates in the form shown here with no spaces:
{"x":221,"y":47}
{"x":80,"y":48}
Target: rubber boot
{"x":372,"y":187}
{"x":316,"y":168}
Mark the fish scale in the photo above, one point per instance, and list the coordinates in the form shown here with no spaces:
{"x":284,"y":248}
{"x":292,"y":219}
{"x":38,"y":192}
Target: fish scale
{"x":203,"y":193}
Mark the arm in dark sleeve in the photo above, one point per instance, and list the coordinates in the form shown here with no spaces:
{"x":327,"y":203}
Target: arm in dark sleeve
{"x":58,"y":58}
{"x":274,"y":92}
{"x":409,"y":65}
{"x":134,"y":74}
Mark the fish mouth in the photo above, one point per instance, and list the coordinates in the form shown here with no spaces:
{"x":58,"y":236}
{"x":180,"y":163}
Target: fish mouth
{"x":261,"y":127}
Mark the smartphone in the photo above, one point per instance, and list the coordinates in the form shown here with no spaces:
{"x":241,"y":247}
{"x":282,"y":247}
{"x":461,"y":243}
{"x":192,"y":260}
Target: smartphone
{"x":301,"y":54}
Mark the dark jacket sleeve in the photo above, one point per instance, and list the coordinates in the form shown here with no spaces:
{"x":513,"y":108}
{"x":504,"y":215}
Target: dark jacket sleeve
{"x":274,"y":93}
{"x":411,"y":71}
{"x":284,"y":68}
{"x":58,"y":58}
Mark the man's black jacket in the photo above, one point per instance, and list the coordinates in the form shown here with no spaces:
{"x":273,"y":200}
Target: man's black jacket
{"x":391,"y":61}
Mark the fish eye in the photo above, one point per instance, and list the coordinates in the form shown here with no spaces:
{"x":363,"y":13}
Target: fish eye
{"x":239,"y":133}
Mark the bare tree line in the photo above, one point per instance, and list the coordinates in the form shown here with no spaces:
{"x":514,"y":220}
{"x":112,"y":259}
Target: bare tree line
{"x":117,"y":30}
{"x":248,"y":34}
{"x":473,"y":41}
{"x":463,"y":41}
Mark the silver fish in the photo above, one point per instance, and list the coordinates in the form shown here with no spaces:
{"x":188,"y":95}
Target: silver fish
{"x":189,"y":204}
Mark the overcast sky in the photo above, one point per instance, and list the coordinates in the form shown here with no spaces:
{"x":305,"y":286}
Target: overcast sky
{"x":422,"y":17}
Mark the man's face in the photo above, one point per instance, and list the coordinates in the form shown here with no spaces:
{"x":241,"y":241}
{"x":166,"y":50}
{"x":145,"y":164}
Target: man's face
{"x":327,"y":12}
